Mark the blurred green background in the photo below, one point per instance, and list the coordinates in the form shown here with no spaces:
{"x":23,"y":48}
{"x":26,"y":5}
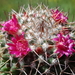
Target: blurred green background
{"x":7,"y":5}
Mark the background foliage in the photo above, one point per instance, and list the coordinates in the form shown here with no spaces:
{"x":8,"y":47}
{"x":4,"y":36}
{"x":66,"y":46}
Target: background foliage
{"x":7,"y":5}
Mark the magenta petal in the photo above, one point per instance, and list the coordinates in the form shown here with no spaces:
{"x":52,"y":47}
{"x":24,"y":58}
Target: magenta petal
{"x":60,"y":55}
{"x":67,"y":37}
{"x":14,"y":39}
{"x":25,"y":53}
{"x":57,"y":51}
{"x":6,"y":28}
{"x":69,"y":41}
{"x":18,"y":54}
{"x":70,"y":51}
{"x":29,"y":49}
{"x":60,"y":37}
{"x":10,"y":44}
{"x":12,"y":48}
{"x":15,"y":19}
{"x":2,"y":29}
{"x":12,"y":52}
{"x":56,"y":39}
{"x":3,"y":24}
{"x":71,"y":46}
{"x":66,"y":53}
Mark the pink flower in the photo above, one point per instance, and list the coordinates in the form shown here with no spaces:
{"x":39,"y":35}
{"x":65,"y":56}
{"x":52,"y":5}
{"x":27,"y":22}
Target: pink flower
{"x":12,"y":26}
{"x":59,"y":16}
{"x":19,"y":46}
{"x":64,"y":45}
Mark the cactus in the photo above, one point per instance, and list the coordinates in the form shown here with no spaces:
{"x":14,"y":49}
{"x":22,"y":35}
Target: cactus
{"x":37,"y":41}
